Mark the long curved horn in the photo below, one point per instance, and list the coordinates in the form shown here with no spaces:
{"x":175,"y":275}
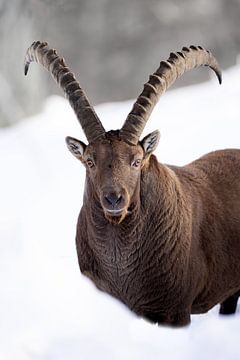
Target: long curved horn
{"x":42,"y":54}
{"x":177,"y":64}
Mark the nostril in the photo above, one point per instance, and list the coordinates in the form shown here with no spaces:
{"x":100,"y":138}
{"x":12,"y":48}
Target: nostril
{"x":108,"y":199}
{"x":119,"y":199}
{"x":113,"y":199}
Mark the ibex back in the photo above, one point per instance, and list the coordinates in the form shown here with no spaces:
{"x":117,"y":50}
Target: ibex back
{"x":165,"y":240}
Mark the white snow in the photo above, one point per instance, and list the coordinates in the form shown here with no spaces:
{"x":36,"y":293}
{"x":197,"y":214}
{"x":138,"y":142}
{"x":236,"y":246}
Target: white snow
{"x":48,"y":309}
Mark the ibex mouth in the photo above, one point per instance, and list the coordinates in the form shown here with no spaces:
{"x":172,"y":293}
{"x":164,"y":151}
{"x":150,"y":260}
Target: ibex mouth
{"x":114,"y":212}
{"x":115,"y":216}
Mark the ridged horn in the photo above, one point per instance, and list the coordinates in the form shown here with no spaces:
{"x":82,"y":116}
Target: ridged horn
{"x":42,"y":54}
{"x":168,"y":71}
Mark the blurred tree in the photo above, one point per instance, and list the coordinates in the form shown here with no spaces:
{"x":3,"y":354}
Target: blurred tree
{"x":112,"y":44}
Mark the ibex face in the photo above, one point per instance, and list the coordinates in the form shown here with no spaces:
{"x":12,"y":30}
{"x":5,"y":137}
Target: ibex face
{"x":113,"y":167}
{"x":114,"y":159}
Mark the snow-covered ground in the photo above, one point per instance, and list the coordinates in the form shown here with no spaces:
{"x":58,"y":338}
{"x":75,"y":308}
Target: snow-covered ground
{"x":49,"y":311}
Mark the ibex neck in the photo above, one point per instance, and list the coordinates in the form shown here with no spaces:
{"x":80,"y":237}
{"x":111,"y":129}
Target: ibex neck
{"x":161,"y":193}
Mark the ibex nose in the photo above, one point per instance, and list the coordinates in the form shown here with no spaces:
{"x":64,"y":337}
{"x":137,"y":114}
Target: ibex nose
{"x":113,"y":199}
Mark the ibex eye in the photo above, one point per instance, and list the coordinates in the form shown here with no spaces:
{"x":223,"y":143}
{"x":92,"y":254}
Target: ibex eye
{"x":89,"y":163}
{"x":136,"y":163}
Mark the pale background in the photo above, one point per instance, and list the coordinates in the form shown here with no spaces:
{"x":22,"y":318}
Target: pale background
{"x":111,"y":45}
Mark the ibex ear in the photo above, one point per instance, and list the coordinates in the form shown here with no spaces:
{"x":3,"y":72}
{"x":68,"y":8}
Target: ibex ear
{"x":150,"y":142}
{"x":76,"y":147}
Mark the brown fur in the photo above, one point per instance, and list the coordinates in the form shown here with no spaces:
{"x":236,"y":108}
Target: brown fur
{"x":177,"y":250}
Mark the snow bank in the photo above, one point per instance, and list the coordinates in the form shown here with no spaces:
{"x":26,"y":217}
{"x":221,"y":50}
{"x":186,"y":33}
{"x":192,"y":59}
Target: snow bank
{"x":48,"y":309}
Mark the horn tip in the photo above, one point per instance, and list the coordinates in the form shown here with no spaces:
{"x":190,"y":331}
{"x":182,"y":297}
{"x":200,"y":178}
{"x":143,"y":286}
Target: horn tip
{"x":219,"y":76}
{"x":26,"y":67}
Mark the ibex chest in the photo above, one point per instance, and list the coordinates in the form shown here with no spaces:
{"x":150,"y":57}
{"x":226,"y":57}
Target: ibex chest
{"x":117,"y":264}
{"x":137,"y":275}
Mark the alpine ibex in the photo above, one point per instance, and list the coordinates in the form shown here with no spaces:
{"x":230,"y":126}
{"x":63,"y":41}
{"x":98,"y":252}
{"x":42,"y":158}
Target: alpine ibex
{"x":165,"y":240}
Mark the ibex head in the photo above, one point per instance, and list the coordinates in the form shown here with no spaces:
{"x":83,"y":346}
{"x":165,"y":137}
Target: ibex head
{"x":113,"y":167}
{"x":114,"y":159}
